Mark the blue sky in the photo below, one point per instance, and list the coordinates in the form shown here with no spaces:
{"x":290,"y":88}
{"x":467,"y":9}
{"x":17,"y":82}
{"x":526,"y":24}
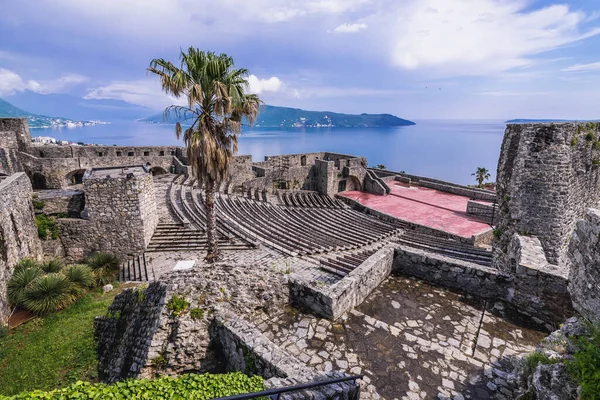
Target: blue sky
{"x":418,"y":59}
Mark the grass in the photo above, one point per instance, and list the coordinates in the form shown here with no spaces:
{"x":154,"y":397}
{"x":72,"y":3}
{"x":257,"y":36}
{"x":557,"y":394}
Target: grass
{"x":54,"y":351}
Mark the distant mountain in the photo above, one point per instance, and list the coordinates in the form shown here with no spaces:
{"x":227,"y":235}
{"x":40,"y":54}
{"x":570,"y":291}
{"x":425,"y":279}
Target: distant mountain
{"x":77,"y":108}
{"x":531,"y":121}
{"x":284,"y":117}
{"x":8,"y":110}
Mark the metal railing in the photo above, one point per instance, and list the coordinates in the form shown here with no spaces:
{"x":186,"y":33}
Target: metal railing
{"x":276,"y":393}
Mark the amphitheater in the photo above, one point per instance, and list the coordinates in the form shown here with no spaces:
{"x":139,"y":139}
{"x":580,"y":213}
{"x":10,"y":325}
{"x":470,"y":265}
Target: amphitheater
{"x":421,"y":286}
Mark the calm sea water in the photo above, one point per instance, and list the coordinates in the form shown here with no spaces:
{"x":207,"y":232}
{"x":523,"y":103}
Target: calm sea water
{"x":447,"y":150}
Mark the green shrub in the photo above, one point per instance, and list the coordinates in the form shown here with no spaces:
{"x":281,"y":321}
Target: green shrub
{"x":46,"y":227}
{"x":574,"y":141}
{"x":19,"y":283}
{"x":160,"y":361}
{"x":38,"y":204}
{"x":585,"y":365}
{"x":532,"y":360}
{"x":590,"y":137}
{"x":52,"y":265}
{"x":25,"y":263}
{"x":48,"y":294}
{"x":196,"y":313}
{"x":80,"y":276}
{"x":178,"y":305}
{"x":191,"y":386}
{"x":498,"y":233}
{"x":3,"y":332}
{"x":105,"y":267}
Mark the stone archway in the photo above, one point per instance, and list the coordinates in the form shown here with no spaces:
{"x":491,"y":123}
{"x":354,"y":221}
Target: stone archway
{"x":38,"y":181}
{"x":158,"y":171}
{"x":75,"y":177}
{"x":353,"y":183}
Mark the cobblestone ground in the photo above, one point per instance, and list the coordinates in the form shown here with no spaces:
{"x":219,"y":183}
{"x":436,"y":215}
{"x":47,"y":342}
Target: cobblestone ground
{"x":410,"y":340}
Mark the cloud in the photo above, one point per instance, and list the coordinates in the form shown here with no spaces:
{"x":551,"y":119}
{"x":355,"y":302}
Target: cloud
{"x":480,"y":37}
{"x":350,"y":28}
{"x":583,"y":67}
{"x":258,"y":86}
{"x":11,"y":82}
{"x":507,"y":93}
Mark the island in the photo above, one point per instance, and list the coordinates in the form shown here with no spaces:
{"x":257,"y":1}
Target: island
{"x":285,"y":117}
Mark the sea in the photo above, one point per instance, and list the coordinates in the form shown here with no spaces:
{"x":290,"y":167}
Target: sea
{"x":449,"y":150}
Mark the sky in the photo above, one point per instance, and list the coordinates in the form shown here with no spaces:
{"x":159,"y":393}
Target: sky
{"x":418,"y":59}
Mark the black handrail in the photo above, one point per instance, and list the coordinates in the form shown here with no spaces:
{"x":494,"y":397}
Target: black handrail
{"x":294,"y":388}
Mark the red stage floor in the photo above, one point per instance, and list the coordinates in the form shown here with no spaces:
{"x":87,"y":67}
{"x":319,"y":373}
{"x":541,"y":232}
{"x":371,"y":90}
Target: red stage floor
{"x":429,"y":207}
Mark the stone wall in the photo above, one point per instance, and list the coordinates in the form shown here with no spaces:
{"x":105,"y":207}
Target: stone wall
{"x":584,"y":276}
{"x":18,"y":231}
{"x":332,"y":301}
{"x":70,"y":202}
{"x":548,"y":174}
{"x":539,"y":292}
{"x":124,"y":335}
{"x":247,"y":349}
{"x":373,"y":185}
{"x":122,"y":211}
{"x":484,"y":211}
{"x":13,"y":133}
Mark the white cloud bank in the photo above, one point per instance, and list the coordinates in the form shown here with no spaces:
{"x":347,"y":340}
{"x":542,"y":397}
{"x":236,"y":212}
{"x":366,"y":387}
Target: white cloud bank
{"x":350,"y":28}
{"x":11,"y":82}
{"x":258,"y":86}
{"x":480,"y":37}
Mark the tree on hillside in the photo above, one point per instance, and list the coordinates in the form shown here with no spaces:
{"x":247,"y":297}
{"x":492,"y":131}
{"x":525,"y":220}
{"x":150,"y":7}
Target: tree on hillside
{"x":481,"y":175}
{"x":217,"y":103}
{"x":380,"y":166}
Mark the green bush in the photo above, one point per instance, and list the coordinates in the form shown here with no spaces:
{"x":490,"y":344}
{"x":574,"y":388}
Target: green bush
{"x":197,"y":313}
{"x":178,"y":305}
{"x":19,"y":283}
{"x":81,"y":276}
{"x":46,"y":227}
{"x":49,"y":294}
{"x":532,"y":360}
{"x":25,"y":263}
{"x":52,"y":265}
{"x":590,"y":137}
{"x":105,"y":267}
{"x":38,"y":204}
{"x":197,"y":387}
{"x":585,"y":365}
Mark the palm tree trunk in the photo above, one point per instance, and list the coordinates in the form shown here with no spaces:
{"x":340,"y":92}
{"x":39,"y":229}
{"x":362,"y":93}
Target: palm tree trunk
{"x":212,"y":254}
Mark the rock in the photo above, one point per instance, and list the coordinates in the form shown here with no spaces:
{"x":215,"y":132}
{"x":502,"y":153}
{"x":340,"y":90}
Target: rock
{"x":553,"y":382}
{"x":107,"y":288}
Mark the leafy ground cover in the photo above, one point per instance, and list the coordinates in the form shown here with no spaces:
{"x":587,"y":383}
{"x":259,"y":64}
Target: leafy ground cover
{"x":53,"y":351}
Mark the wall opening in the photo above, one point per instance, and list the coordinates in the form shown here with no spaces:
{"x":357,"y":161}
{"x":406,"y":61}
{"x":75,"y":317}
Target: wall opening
{"x":38,"y":181}
{"x":303,"y":161}
{"x":75,"y":177}
{"x":100,"y":154}
{"x":119,"y":154}
{"x":342,"y":186}
{"x":146,"y":153}
{"x":172,"y":153}
{"x":41,"y":154}
{"x":130,"y":154}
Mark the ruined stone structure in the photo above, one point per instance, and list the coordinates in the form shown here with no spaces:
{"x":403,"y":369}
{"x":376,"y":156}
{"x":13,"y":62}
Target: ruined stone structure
{"x":18,"y":232}
{"x":548,"y":175}
{"x":120,"y":214}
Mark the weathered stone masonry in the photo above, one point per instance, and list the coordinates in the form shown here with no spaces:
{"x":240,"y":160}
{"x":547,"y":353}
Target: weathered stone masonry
{"x":548,"y":174}
{"x":18,"y":232}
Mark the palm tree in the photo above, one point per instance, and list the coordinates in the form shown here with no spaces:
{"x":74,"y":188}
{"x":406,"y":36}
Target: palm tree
{"x":216,"y":105}
{"x":481,"y":175}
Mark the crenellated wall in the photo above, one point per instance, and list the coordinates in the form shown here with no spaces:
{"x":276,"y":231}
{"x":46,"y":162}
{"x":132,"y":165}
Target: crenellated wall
{"x":18,"y":231}
{"x":548,"y":174}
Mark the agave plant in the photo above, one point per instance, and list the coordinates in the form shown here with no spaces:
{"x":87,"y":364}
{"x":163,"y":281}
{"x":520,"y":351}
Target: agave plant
{"x":48,"y":294}
{"x":52,"y":265}
{"x":81,"y":276}
{"x":19,"y":283}
{"x":25,"y":263}
{"x":105,"y":266}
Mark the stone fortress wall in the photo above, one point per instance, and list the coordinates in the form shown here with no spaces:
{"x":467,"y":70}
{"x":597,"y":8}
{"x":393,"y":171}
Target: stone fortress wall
{"x":548,"y":175}
{"x":18,"y":231}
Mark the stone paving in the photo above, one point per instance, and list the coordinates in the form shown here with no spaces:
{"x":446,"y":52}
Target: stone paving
{"x":160,"y":263}
{"x":410,"y":340}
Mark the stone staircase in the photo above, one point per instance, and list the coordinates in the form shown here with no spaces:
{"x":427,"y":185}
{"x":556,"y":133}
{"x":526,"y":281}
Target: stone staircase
{"x":175,"y":237}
